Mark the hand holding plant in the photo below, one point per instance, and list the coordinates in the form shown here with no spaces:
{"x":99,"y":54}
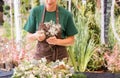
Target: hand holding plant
{"x":40,"y":35}
{"x":50,"y":29}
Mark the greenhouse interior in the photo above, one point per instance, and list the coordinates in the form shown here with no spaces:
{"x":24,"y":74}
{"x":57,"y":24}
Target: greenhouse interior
{"x":66,"y":39}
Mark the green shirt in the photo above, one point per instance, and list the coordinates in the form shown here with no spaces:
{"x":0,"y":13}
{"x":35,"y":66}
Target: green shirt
{"x":65,"y":19}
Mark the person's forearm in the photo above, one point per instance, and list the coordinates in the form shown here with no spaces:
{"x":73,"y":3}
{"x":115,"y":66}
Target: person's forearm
{"x":62,"y":42}
{"x":65,"y":42}
{"x":36,"y":36}
{"x":31,"y":37}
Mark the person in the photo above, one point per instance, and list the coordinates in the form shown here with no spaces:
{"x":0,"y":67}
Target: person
{"x":51,"y":47}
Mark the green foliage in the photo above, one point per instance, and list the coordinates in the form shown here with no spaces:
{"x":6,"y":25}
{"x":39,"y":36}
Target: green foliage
{"x":94,"y":29}
{"x":24,"y":9}
{"x":62,"y":3}
{"x":117,"y":10}
{"x":25,"y":6}
{"x":90,"y":6}
{"x":84,"y":44}
{"x":88,"y":11}
{"x":7,"y":28}
{"x":6,"y":10}
{"x":6,"y":7}
{"x":72,"y":56}
{"x":112,"y":39}
{"x":88,"y":35}
{"x":6,"y":24}
{"x":78,"y":75}
{"x":117,"y":24}
{"x":35,"y":3}
{"x":97,"y":62}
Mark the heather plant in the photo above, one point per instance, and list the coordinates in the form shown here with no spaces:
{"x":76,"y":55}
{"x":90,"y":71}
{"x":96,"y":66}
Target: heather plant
{"x":112,"y":59}
{"x":6,"y":52}
{"x":11,"y":56}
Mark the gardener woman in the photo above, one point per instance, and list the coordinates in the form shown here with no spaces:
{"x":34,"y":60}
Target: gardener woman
{"x":53,"y":27}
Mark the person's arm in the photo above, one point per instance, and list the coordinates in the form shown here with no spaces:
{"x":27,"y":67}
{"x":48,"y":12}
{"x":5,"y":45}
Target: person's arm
{"x":31,"y":37}
{"x":62,"y":42}
{"x":36,"y":36}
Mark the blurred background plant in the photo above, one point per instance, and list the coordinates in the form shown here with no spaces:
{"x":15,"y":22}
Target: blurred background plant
{"x":87,"y":54}
{"x":112,"y":58}
{"x":10,"y":56}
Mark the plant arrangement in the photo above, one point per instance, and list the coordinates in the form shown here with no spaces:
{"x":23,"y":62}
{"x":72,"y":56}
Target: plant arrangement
{"x":42,"y":69}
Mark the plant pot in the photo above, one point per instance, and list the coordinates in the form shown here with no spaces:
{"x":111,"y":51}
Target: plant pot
{"x":99,"y":75}
{"x":6,"y":74}
{"x":8,"y":65}
{"x":6,"y":70}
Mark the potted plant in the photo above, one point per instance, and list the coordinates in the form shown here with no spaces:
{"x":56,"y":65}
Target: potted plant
{"x":112,"y":59}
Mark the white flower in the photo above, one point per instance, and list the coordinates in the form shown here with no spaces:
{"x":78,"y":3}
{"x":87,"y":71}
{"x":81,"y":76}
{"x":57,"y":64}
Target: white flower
{"x":34,"y":62}
{"x":44,"y":60}
{"x":53,"y":28}
{"x":32,"y":76}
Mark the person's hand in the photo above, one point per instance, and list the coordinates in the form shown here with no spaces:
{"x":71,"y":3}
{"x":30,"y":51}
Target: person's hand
{"x":52,"y":40}
{"x":40,"y":36}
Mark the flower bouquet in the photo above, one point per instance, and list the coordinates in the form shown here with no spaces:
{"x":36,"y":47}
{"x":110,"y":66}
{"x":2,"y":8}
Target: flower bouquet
{"x":49,"y":29}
